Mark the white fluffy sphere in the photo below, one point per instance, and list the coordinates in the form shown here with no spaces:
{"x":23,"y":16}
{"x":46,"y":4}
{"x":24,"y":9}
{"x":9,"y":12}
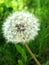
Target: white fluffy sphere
{"x":20,"y":26}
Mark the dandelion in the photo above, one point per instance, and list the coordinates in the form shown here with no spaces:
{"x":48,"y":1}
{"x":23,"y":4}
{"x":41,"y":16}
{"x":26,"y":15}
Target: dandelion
{"x":21,"y":27}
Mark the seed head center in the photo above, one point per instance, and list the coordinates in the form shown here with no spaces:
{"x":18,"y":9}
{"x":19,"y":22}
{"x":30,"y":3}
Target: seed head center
{"x":20,"y":27}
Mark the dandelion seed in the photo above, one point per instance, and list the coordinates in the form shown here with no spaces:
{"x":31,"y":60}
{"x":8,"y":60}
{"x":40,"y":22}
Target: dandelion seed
{"x":20,"y":26}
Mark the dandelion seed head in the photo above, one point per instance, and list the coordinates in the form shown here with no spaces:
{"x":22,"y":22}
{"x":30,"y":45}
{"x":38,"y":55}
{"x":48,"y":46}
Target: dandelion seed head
{"x":20,"y":26}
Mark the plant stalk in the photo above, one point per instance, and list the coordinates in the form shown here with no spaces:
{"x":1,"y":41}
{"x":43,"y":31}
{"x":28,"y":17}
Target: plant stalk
{"x":32,"y":54}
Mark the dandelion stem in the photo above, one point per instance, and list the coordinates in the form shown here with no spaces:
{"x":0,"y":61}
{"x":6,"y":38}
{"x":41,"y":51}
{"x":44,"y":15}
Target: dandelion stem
{"x":33,"y":56}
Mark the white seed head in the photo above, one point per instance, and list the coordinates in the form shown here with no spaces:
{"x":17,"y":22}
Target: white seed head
{"x":20,"y":26}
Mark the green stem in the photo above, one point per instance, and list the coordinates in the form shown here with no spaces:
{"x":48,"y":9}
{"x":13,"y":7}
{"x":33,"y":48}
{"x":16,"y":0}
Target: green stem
{"x":33,"y":56}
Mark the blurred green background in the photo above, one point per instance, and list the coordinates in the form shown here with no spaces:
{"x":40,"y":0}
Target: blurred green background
{"x":11,"y":54}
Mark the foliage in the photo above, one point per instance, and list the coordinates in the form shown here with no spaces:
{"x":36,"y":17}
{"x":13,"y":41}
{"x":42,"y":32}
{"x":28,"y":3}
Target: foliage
{"x":9,"y":53}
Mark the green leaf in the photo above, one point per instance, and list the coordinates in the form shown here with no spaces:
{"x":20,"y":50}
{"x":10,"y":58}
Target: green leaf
{"x":22,"y":52}
{"x":20,"y":62}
